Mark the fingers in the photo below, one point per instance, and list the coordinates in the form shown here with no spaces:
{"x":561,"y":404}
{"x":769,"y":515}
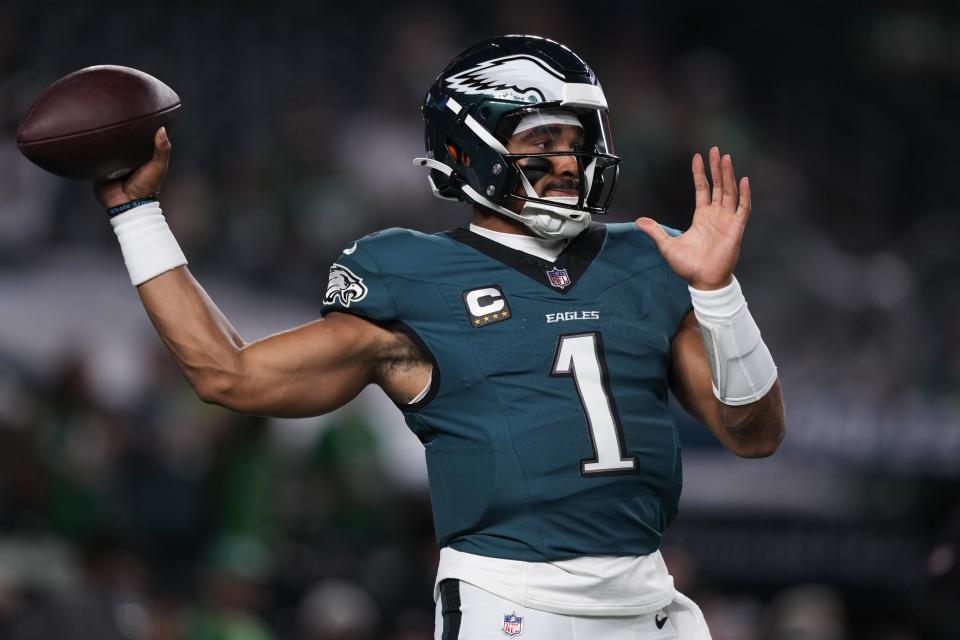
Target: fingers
{"x":650,"y":227}
{"x":746,"y":201}
{"x":725,"y":192}
{"x":700,"y":185}
{"x":729,"y":201}
{"x":716,"y":177}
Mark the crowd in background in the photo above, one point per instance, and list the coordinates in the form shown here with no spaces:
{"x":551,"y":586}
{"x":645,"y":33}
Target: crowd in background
{"x":128,"y":509}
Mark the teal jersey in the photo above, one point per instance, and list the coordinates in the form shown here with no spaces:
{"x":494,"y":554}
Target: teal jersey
{"x":546,"y":427}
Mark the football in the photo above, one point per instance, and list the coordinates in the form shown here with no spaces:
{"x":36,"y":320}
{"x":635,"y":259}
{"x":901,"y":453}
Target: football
{"x":97,"y":123}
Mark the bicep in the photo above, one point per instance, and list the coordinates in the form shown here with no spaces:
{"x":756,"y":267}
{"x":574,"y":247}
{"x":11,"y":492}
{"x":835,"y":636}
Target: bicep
{"x":310,"y":370}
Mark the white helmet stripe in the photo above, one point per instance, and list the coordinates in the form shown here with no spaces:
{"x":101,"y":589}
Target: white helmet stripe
{"x":476,"y":127}
{"x":576,"y":94}
{"x":453,"y":105}
{"x":484,"y":135}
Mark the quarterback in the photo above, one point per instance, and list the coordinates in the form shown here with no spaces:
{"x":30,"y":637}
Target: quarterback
{"x":531,"y":351}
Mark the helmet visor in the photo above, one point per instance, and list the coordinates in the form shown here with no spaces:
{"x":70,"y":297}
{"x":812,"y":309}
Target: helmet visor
{"x":544,"y":128}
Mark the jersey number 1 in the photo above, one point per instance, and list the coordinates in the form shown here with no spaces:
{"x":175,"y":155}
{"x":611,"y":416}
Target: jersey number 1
{"x":580,"y":356}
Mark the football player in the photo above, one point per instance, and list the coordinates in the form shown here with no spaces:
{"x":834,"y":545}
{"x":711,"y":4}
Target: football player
{"x":531,"y":351}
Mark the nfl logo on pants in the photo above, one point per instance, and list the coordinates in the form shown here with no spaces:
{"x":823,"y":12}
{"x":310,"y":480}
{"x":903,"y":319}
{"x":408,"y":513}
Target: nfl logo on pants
{"x":512,"y":624}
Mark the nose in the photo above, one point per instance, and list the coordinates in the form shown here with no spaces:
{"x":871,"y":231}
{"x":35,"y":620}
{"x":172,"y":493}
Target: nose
{"x":564,"y":165}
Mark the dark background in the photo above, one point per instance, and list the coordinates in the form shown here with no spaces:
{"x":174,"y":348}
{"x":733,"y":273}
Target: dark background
{"x":128,"y":509}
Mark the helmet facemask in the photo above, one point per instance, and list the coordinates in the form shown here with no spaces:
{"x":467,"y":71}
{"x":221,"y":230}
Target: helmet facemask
{"x":563,"y":153}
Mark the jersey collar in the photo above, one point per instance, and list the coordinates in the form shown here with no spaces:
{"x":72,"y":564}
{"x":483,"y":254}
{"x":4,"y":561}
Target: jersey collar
{"x":544,"y":248}
{"x":573,"y":261}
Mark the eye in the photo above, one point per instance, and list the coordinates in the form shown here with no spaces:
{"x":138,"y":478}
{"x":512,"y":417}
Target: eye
{"x":538,"y":142}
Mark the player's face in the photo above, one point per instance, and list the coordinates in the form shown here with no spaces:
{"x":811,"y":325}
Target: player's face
{"x":552,"y":176}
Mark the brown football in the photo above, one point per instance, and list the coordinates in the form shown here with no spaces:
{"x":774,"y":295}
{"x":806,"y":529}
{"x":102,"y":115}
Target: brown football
{"x":97,"y":123}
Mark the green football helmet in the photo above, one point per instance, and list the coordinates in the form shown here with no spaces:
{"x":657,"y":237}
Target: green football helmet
{"x":498,"y":88}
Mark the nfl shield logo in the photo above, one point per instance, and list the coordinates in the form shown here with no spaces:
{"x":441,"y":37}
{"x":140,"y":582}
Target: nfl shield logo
{"x":559,"y":278}
{"x":512,"y":624}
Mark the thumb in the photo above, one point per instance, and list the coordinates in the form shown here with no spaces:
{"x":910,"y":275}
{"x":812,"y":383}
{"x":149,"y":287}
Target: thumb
{"x":650,"y":227}
{"x":147,"y":179}
{"x":161,"y":145}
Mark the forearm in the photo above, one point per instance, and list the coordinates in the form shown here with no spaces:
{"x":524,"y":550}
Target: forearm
{"x":753,"y":430}
{"x":743,"y":375}
{"x":201,"y":339}
{"x":195,"y":331}
{"x":307,"y":371}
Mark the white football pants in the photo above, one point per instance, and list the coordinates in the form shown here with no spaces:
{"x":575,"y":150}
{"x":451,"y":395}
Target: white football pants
{"x":466,"y":612}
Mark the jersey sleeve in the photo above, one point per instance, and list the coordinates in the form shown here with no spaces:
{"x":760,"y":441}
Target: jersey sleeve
{"x":357,"y":285}
{"x":677,"y":292}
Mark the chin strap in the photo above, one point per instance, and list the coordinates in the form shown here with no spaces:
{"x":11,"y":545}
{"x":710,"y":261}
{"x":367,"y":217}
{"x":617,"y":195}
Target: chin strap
{"x":430,"y":163}
{"x":545,"y":221}
{"x":537,"y":215}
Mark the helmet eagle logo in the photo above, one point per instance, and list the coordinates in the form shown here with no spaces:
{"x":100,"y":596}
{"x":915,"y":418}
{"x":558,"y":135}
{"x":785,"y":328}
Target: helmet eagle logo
{"x":345,"y":285}
{"x":520,"y":77}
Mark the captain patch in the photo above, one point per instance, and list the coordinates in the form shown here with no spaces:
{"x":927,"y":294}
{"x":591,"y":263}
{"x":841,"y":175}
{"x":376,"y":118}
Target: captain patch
{"x":486,"y":305}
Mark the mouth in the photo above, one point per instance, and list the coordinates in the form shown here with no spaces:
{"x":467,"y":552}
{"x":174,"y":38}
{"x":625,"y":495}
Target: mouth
{"x":563,"y":190}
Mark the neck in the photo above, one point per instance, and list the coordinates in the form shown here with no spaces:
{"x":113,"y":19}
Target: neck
{"x":495,"y":222}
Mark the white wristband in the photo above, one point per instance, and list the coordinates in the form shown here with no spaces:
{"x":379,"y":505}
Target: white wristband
{"x":147,"y":243}
{"x":741,"y":366}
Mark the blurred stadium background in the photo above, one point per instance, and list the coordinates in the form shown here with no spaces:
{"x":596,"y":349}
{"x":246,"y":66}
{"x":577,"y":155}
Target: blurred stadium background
{"x":128,"y":509}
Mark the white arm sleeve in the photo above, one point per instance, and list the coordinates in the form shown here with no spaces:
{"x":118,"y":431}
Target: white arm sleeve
{"x":741,"y":366}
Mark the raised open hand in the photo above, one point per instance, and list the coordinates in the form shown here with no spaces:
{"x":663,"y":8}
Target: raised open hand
{"x":705,"y":254}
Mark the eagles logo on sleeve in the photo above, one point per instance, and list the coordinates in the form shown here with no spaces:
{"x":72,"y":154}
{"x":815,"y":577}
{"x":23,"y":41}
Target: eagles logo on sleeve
{"x":345,"y":285}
